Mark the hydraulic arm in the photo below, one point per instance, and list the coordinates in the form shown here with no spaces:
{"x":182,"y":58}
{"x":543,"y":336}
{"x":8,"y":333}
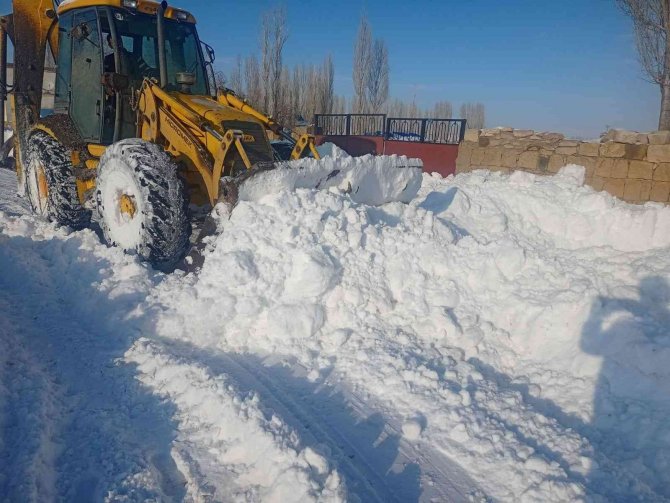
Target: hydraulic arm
{"x":30,"y":27}
{"x":304,"y":142}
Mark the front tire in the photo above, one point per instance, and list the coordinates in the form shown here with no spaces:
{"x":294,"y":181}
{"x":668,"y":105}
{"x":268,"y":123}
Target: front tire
{"x":51,"y":185}
{"x":142,"y":203}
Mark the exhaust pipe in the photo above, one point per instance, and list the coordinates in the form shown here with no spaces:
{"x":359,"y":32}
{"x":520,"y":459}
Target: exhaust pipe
{"x":162,"y":64}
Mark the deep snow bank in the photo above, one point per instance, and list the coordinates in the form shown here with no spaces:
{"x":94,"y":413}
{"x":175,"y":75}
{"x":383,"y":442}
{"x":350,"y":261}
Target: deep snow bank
{"x":510,"y":321}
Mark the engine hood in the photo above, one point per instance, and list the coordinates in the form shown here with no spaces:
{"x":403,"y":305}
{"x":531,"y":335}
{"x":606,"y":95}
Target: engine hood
{"x":213,"y":111}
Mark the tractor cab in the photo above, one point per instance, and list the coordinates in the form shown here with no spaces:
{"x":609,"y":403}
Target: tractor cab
{"x":106,"y":52}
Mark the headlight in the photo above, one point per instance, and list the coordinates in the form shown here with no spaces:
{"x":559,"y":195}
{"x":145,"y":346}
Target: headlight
{"x":130,"y":4}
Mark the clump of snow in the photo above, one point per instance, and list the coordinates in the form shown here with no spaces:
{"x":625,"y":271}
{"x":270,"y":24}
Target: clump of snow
{"x":573,"y":173}
{"x":329,"y":149}
{"x":558,"y":210}
{"x":412,"y":428}
{"x":373,"y":180}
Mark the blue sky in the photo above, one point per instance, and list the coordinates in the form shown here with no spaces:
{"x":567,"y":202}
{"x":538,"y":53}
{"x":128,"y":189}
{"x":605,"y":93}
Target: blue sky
{"x":566,"y":65}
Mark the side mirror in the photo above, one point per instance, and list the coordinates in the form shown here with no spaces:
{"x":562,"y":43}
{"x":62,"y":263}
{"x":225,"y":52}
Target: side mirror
{"x":211,"y":55}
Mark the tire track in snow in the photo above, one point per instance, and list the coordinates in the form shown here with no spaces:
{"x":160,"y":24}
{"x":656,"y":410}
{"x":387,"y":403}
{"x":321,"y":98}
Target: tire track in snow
{"x":237,"y":447}
{"x":277,"y":402}
{"x":359,"y":471}
{"x":315,"y":411}
{"x":454,"y":483}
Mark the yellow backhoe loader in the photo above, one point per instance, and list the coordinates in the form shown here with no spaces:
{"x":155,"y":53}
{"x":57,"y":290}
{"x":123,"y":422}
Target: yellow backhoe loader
{"x":137,"y":135}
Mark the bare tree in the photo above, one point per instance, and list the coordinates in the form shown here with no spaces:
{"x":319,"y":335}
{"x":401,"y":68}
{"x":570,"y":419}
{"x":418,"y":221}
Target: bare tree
{"x":362,"y":52}
{"x":252,"y":78}
{"x":371,"y":71}
{"x":377,"y":80}
{"x":299,"y":84}
{"x":475,"y":114}
{"x":442,"y":110}
{"x":266,"y":63}
{"x":285,"y":93}
{"x":219,"y":80}
{"x":339,"y":104}
{"x":284,"y":99}
{"x":396,"y":108}
{"x":312,"y":93}
{"x":413,"y":110}
{"x":651,"y":19}
{"x":273,"y":38}
{"x":236,"y":79}
{"x":326,"y":90}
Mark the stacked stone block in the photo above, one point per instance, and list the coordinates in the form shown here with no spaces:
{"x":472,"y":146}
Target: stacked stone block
{"x":629,"y":165}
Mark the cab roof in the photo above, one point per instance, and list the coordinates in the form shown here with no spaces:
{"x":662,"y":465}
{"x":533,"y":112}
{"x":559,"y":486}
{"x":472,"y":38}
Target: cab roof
{"x":144,"y":6}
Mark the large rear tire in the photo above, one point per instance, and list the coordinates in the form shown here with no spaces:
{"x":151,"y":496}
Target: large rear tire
{"x":142,"y":202}
{"x":51,"y":185}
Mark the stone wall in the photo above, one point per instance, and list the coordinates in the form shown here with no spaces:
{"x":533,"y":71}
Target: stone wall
{"x":629,"y":165}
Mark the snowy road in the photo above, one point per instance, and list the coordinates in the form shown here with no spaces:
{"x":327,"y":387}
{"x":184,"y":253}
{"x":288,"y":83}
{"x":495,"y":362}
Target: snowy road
{"x":500,"y":338}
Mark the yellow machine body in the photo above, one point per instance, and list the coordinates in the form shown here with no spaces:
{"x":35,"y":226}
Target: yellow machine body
{"x":200,"y":132}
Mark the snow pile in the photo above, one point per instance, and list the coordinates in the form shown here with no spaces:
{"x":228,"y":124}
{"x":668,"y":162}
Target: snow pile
{"x":559,"y":210}
{"x":486,"y":279}
{"x":372,"y":180}
{"x":331,"y":150}
{"x":500,"y":337}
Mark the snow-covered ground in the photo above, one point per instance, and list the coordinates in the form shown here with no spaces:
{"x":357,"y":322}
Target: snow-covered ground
{"x":500,"y":338}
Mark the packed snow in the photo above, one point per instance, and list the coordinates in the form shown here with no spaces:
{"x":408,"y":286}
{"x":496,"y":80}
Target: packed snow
{"x":498,"y":338}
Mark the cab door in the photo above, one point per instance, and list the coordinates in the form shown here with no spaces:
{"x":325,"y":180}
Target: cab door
{"x":87,"y":95}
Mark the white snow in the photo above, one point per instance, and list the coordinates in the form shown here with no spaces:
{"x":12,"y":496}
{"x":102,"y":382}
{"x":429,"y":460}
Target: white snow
{"x":500,"y":337}
{"x":253,"y":454}
{"x":373,"y":180}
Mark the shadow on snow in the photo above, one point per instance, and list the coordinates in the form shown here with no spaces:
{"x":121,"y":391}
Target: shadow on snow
{"x":107,"y":427}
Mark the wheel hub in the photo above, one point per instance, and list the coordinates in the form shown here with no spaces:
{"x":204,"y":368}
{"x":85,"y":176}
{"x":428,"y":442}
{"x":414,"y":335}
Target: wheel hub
{"x":39,"y":187}
{"x":42,"y":185}
{"x":127,"y":205}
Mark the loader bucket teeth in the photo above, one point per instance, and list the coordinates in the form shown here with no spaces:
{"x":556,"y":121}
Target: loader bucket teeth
{"x":229,"y":192}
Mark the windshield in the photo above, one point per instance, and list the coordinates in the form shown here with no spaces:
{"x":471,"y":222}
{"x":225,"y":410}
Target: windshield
{"x":137,"y":34}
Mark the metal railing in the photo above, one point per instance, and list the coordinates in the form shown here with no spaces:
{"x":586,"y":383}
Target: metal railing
{"x":350,"y":124}
{"x":445,"y":131}
{"x":421,"y":130}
